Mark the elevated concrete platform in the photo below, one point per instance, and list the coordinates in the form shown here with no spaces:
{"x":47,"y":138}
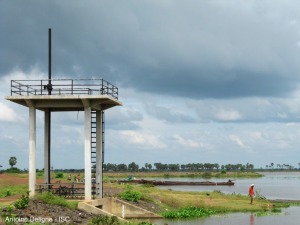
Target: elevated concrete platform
{"x":65,"y":102}
{"x":93,"y":96}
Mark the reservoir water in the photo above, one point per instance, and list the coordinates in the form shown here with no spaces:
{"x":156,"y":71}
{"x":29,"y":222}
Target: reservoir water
{"x":274,"y":185}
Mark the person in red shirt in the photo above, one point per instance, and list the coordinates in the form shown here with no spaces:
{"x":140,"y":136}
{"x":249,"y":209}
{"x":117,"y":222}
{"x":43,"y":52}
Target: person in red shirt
{"x":251,"y":193}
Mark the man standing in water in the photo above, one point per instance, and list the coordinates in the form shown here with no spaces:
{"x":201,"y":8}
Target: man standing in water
{"x":251,"y":193}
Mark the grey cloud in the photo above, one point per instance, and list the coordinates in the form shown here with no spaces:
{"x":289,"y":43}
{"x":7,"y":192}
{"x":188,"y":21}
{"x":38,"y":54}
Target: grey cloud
{"x":246,"y":110}
{"x":191,"y":49}
{"x":125,"y":120}
{"x":168,"y":114}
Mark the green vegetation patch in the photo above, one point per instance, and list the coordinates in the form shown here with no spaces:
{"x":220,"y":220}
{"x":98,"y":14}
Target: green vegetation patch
{"x":50,"y":198}
{"x":11,"y":190}
{"x":130,"y":195}
{"x":189,"y":212}
{"x":23,"y":202}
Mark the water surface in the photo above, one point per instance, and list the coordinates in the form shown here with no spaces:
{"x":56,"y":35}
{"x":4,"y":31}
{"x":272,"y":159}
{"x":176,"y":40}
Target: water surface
{"x":289,"y":216}
{"x":275,"y":185}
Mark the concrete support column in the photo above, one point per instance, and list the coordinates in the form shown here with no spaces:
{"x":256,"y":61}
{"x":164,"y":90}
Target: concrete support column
{"x":87,"y":154}
{"x":32,"y":150}
{"x":99,"y":156}
{"x":46,"y":147}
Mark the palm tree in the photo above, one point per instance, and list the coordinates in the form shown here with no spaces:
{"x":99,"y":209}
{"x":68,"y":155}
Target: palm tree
{"x":12,"y":161}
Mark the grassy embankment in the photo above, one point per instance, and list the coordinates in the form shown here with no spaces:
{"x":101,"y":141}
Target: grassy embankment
{"x":170,"y":200}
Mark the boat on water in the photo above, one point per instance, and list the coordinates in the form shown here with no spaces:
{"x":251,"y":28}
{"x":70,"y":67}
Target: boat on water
{"x":167,"y":183}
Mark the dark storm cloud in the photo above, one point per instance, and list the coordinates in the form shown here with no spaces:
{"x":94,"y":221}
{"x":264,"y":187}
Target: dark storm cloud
{"x":196,"y":49}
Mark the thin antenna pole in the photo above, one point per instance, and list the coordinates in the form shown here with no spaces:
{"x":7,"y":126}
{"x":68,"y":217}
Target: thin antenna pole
{"x":49,"y":56}
{"x":49,"y":87}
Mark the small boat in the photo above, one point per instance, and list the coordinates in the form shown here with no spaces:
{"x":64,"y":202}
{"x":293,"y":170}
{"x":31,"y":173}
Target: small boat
{"x":166,"y":183}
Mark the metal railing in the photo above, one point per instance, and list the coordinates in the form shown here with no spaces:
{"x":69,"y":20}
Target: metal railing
{"x":64,"y":87}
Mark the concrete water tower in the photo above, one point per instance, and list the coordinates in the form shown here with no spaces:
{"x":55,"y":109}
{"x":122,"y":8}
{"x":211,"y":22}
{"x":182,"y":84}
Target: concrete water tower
{"x":93,"y":96}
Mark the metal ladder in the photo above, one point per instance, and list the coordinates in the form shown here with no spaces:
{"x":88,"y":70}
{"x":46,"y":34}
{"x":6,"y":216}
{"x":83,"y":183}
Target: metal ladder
{"x":93,"y":141}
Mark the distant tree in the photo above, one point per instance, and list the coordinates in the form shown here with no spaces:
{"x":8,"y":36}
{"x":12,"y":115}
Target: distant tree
{"x":122,"y":167}
{"x":173,"y":167}
{"x":217,"y":166}
{"x":133,"y":167}
{"x":182,"y":167}
{"x":159,"y":166}
{"x":149,"y":166}
{"x":12,"y":161}
{"x":251,"y":166}
{"x":109,"y":167}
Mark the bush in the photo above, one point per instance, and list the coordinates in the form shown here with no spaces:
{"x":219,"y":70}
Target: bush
{"x":13,"y":170}
{"x":7,"y":215}
{"x":104,"y":220}
{"x":50,"y":198}
{"x":206,"y":175}
{"x":130,"y":195}
{"x":59,"y":175}
{"x":189,"y":212}
{"x":23,"y":202}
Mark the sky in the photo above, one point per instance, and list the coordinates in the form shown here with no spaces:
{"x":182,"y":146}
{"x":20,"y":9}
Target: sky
{"x":200,"y":81}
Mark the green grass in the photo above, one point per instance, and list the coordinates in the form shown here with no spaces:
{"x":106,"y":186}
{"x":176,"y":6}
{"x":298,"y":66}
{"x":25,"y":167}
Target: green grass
{"x":169,"y":200}
{"x":50,"y":198}
{"x":10,"y":190}
{"x":189,"y":212}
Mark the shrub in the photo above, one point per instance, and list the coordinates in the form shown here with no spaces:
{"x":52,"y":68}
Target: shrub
{"x":206,"y":175}
{"x":50,"y":198}
{"x":23,"y":202}
{"x":104,"y":220}
{"x":59,"y":175}
{"x":8,"y":193}
{"x":5,"y":193}
{"x":130,"y":195}
{"x":188,"y":212}
{"x":7,"y":215}
{"x":13,"y":170}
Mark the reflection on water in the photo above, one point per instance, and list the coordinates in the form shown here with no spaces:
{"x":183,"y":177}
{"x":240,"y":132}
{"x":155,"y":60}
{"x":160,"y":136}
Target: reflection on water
{"x":289,"y":216}
{"x":251,"y":219}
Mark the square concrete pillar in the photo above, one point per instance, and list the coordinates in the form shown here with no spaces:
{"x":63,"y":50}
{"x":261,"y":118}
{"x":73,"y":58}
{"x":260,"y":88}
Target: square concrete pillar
{"x":47,"y":138}
{"x":87,"y":154}
{"x":32,"y":150}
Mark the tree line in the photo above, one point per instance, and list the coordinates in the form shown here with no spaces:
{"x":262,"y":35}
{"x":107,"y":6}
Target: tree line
{"x":110,"y":167}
